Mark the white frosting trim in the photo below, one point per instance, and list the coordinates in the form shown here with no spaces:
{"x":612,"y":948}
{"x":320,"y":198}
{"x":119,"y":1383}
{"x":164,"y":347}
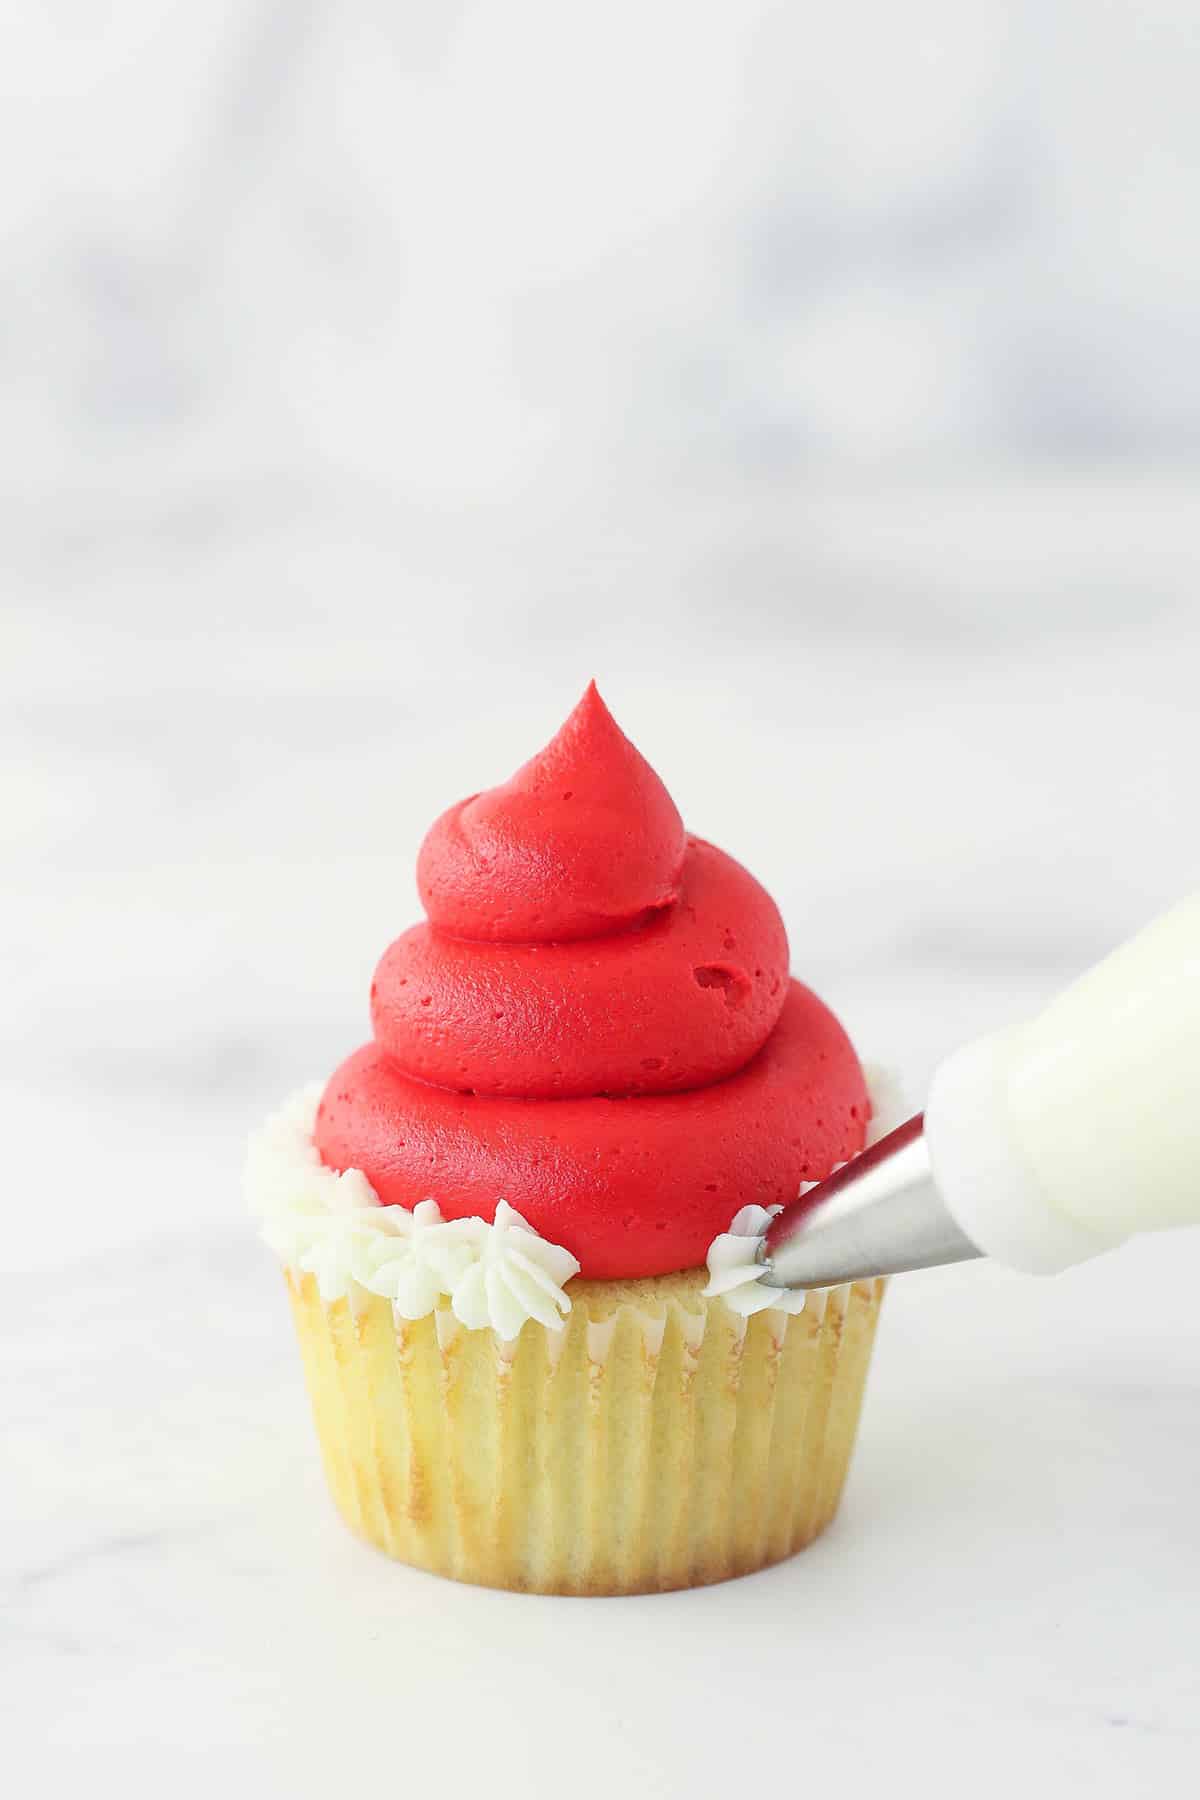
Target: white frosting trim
{"x":735,"y":1273}
{"x":333,"y":1226}
{"x":500,"y":1275}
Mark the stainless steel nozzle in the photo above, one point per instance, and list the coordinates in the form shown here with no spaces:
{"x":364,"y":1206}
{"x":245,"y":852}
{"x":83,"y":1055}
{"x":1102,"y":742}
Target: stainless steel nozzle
{"x":877,"y":1215}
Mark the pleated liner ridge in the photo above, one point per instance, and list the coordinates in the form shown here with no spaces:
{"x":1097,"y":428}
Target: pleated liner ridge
{"x":659,"y":1441}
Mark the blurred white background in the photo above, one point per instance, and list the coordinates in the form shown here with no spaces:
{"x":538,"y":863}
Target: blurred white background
{"x":827,"y":383}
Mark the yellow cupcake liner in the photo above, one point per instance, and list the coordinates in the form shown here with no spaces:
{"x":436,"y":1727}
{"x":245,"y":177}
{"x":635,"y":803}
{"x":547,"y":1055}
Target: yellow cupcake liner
{"x":658,"y":1441}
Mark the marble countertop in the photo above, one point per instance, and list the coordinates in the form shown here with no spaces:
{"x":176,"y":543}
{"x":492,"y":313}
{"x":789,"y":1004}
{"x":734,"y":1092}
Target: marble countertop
{"x":954,"y":729}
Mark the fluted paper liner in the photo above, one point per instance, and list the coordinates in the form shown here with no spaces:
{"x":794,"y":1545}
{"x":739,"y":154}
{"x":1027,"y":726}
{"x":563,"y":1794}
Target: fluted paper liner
{"x":658,"y":1441}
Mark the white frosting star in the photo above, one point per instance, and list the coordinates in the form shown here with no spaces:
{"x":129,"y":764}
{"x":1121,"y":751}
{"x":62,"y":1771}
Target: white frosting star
{"x":735,"y":1274}
{"x":413,"y":1258}
{"x":517,"y":1276}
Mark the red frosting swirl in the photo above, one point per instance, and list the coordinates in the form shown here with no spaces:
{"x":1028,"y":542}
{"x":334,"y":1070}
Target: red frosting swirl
{"x":596,"y":1024}
{"x":583,"y":841}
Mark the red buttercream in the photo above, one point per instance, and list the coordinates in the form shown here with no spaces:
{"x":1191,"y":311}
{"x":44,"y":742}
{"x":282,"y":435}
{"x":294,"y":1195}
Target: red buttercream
{"x":584,"y":840}
{"x":597,"y":1024}
{"x":680,"y":1000}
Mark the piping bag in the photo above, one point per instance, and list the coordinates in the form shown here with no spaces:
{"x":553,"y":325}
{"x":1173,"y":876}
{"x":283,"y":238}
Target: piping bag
{"x":1040,"y":1146}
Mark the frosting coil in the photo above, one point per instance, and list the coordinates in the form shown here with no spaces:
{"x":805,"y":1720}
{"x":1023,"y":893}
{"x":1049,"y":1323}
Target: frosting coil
{"x":596,"y":1021}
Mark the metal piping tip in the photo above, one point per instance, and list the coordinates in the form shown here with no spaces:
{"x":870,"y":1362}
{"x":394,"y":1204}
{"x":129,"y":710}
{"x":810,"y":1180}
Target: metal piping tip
{"x":880,"y":1214}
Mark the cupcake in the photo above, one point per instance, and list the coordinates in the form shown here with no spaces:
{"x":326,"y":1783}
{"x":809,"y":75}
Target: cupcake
{"x":517,"y":1227}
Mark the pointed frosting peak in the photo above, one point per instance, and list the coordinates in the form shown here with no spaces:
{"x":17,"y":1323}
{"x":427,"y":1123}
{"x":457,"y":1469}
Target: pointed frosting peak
{"x":596,"y":1023}
{"x":583,"y":841}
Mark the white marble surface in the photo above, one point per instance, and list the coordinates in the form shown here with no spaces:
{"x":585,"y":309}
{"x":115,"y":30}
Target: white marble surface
{"x":954,"y":727}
